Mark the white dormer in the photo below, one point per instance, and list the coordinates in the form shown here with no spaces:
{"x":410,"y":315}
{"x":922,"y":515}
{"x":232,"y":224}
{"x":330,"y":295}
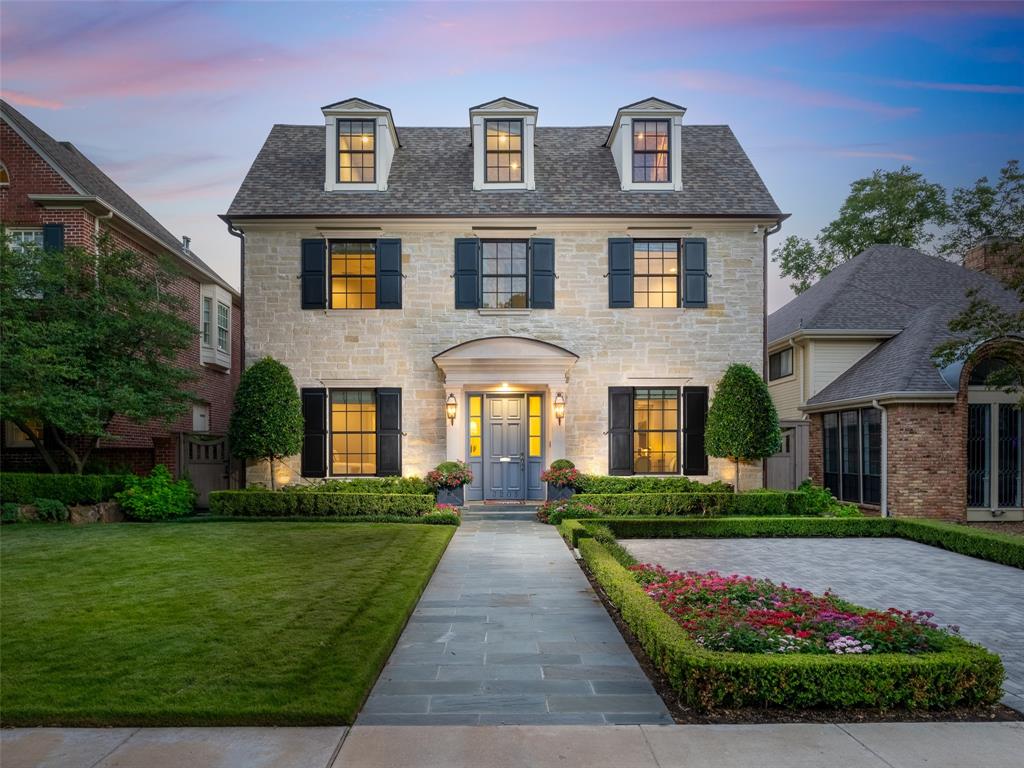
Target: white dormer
{"x":361,"y":143}
{"x":645,"y":141}
{"x":503,"y":136}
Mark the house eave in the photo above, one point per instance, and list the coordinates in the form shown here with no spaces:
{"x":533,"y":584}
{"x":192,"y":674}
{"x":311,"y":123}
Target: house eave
{"x":883,"y":398}
{"x":832,"y":333}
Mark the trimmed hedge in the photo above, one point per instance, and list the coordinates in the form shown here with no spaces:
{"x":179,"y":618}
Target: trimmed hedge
{"x":975,"y":542}
{"x":402,"y":485}
{"x":963,"y":675}
{"x":642,"y":484}
{"x":259,"y":503}
{"x":768,"y":503}
{"x":431,"y":518}
{"x":26,"y":487}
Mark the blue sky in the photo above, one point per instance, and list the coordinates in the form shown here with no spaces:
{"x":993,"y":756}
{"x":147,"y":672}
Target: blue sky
{"x":175,"y":99}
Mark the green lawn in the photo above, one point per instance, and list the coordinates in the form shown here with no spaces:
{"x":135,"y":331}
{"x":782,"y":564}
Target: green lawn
{"x":213,"y":624}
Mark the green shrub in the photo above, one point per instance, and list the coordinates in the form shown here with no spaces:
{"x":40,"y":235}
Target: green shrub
{"x":25,"y":487}
{"x":399,"y":485}
{"x":441,"y":517}
{"x":554,"y":512}
{"x":51,"y":510}
{"x":262,"y":503}
{"x":962,"y":676}
{"x":325,"y":520}
{"x":815,"y":501}
{"x":745,"y":527}
{"x":157,"y":496}
{"x":10,"y":512}
{"x":985,"y":545}
{"x":641,"y":484}
{"x":749,"y":503}
{"x":562,"y":464}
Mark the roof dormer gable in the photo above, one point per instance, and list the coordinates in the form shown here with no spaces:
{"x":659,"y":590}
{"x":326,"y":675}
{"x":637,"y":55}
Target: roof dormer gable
{"x":645,"y":141}
{"x":502,"y":133}
{"x":361,"y":140}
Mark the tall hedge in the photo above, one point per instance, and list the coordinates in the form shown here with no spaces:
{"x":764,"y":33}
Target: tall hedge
{"x":742,"y":424}
{"x":26,"y":487}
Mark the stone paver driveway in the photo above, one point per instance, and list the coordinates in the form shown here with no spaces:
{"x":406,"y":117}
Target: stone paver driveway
{"x":985,"y":599}
{"x":509,"y":631}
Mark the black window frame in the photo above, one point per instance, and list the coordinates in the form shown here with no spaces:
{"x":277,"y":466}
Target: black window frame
{"x":776,"y":375}
{"x":331,"y":432}
{"x":678,"y":273}
{"x":339,"y":151}
{"x":667,"y":151}
{"x":499,"y":275}
{"x":678,"y":430}
{"x":857,"y":487}
{"x":510,"y":152}
{"x":331,"y":274}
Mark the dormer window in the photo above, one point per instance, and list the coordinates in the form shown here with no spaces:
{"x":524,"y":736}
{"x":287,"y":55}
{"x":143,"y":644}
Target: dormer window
{"x":357,"y":151}
{"x":504,"y":150}
{"x":651,"y":150}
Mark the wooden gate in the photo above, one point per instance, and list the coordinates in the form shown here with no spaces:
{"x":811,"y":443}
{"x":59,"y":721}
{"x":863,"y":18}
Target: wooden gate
{"x":206,"y":462}
{"x":789,"y":467}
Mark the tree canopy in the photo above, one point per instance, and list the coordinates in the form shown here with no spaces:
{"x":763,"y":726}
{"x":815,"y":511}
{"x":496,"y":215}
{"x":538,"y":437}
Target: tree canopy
{"x":84,"y":337}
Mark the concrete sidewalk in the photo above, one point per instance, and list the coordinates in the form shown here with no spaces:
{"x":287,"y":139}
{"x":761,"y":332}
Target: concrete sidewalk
{"x":877,"y":745}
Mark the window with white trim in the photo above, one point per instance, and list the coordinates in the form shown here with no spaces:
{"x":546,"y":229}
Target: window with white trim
{"x":780,"y":364}
{"x":18,"y":238}
{"x":215,"y":326}
{"x":207,"y":319}
{"x":223,"y":327}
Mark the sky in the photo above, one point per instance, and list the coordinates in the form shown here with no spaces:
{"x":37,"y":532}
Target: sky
{"x":174,"y":99}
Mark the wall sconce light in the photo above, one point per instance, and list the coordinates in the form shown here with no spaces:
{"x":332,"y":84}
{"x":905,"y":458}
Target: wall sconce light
{"x":450,"y":407}
{"x":559,"y":407}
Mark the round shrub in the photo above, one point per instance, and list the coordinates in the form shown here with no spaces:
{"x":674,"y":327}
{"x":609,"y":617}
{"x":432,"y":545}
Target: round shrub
{"x":450,"y":474}
{"x":562,"y":464}
{"x":157,"y":496}
{"x":10,"y":512}
{"x":51,"y":510}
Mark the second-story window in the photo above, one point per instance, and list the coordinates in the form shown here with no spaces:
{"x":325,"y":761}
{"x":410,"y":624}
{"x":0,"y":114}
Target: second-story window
{"x":223,"y":326}
{"x":650,"y":150}
{"x":356,"y":151}
{"x":207,"y":319}
{"x":780,"y":364}
{"x":353,"y":275}
{"x":504,"y":274}
{"x":656,"y":273}
{"x":504,"y":150}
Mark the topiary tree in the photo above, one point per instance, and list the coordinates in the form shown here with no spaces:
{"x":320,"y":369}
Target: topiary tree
{"x":742,"y":424}
{"x":267,"y":420}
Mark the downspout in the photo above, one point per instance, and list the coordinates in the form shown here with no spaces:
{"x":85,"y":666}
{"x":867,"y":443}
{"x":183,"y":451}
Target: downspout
{"x":884,"y":501}
{"x":241,"y":340}
{"x":764,"y":326}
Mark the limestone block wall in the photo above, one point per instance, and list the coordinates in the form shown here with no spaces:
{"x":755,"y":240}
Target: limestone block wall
{"x":616,"y":347}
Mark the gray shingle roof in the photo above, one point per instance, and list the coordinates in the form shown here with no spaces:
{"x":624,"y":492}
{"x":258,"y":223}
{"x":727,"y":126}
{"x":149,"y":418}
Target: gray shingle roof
{"x":891,"y":288}
{"x":432,"y":175}
{"x":94,"y":182}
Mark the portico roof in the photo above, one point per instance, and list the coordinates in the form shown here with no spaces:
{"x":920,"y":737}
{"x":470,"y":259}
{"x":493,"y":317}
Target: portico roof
{"x":495,"y":359}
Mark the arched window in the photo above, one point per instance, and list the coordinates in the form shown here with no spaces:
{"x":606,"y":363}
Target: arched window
{"x":985,"y":368}
{"x":5,"y":177}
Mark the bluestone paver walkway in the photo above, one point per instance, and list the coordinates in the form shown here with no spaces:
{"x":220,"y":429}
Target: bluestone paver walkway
{"x":509,"y":631}
{"x":985,"y":599}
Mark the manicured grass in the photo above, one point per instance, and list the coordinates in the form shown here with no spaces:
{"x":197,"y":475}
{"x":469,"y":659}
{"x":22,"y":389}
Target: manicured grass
{"x":215,"y":624}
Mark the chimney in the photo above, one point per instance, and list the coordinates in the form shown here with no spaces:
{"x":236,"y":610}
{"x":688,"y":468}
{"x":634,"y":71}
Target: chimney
{"x":185,"y":242}
{"x":997,"y":257}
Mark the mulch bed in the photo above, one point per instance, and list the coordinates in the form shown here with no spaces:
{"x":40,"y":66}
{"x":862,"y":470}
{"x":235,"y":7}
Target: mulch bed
{"x":687,"y":715}
{"x":1015,"y":529}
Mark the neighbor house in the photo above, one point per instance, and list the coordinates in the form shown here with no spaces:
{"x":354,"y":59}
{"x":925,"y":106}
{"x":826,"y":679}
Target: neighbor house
{"x":53,"y":196}
{"x":868,"y":413}
{"x":503,"y":292}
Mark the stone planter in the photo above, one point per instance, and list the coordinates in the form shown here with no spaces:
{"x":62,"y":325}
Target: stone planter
{"x":556,"y":493}
{"x":454,"y":496}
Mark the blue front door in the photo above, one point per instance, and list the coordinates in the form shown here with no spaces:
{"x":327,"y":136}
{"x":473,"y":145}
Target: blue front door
{"x":505,"y":463}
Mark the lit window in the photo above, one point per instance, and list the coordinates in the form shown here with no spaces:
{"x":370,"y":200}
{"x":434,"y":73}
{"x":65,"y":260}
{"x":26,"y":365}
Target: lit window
{"x":475,"y":411}
{"x":5,"y":177}
{"x":353,"y":275}
{"x":14,"y":437}
{"x":207,"y":319}
{"x":656,"y":431}
{"x":353,"y":432}
{"x":780,"y":364}
{"x":504,"y":274}
{"x":650,"y":150}
{"x":536,"y":440}
{"x":656,"y":274}
{"x":223,"y":326}
{"x":504,"y":150}
{"x":356,"y":151}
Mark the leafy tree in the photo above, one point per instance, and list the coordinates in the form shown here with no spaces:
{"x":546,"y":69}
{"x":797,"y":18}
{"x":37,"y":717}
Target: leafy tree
{"x":87,"y":336}
{"x":266,"y":423}
{"x":888,"y":207}
{"x":994,"y":213}
{"x":742,"y":424}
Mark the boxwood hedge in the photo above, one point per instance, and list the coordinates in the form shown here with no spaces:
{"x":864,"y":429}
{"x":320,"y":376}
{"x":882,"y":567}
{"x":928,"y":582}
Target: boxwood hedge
{"x":644,"y":484}
{"x":26,"y":487}
{"x":962,"y":675}
{"x":260,"y":503}
{"x":711,"y":504}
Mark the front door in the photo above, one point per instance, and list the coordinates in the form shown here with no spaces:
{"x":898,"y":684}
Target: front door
{"x":505,"y":468}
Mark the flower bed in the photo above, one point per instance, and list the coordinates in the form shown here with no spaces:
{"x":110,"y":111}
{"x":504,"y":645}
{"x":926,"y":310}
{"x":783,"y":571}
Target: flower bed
{"x":741,"y":613}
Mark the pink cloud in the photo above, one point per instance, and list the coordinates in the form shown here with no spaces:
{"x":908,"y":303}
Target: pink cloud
{"x":992,"y":88}
{"x":28,"y":100}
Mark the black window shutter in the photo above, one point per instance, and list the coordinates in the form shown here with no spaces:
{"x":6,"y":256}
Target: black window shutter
{"x":467,"y":273}
{"x":620,"y":272}
{"x":695,"y":272}
{"x":542,"y":273}
{"x":620,"y":430}
{"x":53,"y":237}
{"x":314,"y":439}
{"x":314,"y":274}
{"x":695,"y":416}
{"x":389,"y":274}
{"x":389,"y":432}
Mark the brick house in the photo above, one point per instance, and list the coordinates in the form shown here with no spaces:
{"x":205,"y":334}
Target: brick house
{"x":502,"y":292}
{"x":850,"y":366}
{"x":54,"y":196}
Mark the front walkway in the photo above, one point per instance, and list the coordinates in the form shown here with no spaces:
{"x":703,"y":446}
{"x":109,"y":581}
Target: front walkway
{"x":985,"y":599}
{"x":509,"y":631}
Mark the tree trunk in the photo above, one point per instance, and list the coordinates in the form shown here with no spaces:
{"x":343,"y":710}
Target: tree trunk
{"x":736,"y":486}
{"x":273,"y":480}
{"x":76,"y":461}
{"x":37,"y":441}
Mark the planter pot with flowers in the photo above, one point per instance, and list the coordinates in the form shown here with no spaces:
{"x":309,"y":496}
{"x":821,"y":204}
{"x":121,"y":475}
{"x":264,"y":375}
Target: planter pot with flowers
{"x":561,"y":479}
{"x":449,"y":480}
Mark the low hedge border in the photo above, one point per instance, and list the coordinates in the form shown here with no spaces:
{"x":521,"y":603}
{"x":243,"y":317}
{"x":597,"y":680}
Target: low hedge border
{"x":431,"y":518}
{"x":963,"y":675}
{"x":985,"y":545}
{"x":259,"y":503}
{"x":767,"y":503}
{"x":26,"y":487}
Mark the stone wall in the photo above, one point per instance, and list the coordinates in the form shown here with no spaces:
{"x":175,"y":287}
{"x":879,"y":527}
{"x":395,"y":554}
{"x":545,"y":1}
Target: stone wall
{"x":616,"y":347}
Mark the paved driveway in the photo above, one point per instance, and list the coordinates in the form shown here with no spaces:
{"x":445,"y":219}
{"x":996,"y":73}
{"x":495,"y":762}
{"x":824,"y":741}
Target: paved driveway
{"x":985,"y":599}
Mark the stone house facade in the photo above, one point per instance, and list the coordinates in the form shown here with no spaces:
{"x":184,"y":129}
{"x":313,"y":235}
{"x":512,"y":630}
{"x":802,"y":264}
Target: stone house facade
{"x":51,"y":195}
{"x":570,"y":311}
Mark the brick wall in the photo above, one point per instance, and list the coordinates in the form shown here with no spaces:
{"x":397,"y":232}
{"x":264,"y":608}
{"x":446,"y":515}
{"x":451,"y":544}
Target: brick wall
{"x":927,"y":460}
{"x":815,"y":456}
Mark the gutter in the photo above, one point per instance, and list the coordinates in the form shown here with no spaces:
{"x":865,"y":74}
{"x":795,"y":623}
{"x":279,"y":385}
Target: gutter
{"x":834,"y":333}
{"x":886,"y":397}
{"x":884,"y":500}
{"x":240,"y":234}
{"x":764,"y":327}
